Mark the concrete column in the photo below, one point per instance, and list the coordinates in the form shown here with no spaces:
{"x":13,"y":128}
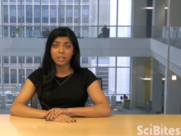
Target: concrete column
{"x":113,"y":101}
{"x":175,"y":18}
{"x":139,"y":18}
{"x":173,"y":97}
{"x":158,"y":18}
{"x":3,"y":100}
{"x":175,"y":11}
{"x":137,"y":83}
{"x":156,"y":87}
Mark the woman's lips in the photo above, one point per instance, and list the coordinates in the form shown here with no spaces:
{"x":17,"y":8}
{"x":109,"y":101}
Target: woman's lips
{"x":61,"y":58}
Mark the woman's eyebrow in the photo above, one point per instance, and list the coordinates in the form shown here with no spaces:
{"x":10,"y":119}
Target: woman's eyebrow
{"x":64,"y":42}
{"x":67,"y":42}
{"x":56,"y":41}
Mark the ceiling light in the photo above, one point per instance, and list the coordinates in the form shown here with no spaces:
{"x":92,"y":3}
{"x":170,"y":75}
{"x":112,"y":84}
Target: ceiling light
{"x":148,"y":7}
{"x":174,"y":77}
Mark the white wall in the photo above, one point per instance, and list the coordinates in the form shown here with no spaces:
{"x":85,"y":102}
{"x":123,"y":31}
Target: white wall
{"x":160,"y":52}
{"x":88,"y":46}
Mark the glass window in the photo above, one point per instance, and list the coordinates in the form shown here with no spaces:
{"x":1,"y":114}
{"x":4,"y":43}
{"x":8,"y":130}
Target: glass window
{"x":85,"y":31}
{"x":36,"y":0}
{"x":0,"y":75}
{"x":103,"y":73}
{"x":123,"y":80}
{"x":12,"y":31}
{"x":124,"y":18}
{"x":0,"y":59}
{"x":92,"y":61}
{"x":28,"y":0}
{"x":45,"y":14}
{"x":13,"y":76}
{"x":5,"y":0}
{"x":53,"y":0}
{"x":111,"y":80}
{"x":104,"y":12}
{"x":21,"y":74}
{"x":28,"y":72}
{"x":76,"y":0}
{"x":36,"y":31}
{"x":13,"y":13}
{"x":6,"y":59}
{"x":106,"y":61}
{"x":123,"y":61}
{"x":28,"y":14}
{"x":77,"y":31}
{"x":93,"y":70}
{"x":6,"y":75}
{"x":113,"y":12}
{"x":5,"y":8}
{"x":45,"y":31}
{"x":69,"y":14}
{"x":12,"y":0}
{"x":62,"y":14}
{"x":21,"y":59}
{"x":69,"y":1}
{"x":37,"y":60}
{"x":20,"y":13}
{"x":45,"y":0}
{"x":84,"y":60}
{"x":5,"y":31}
{"x":36,"y":13}
{"x":85,"y":14}
{"x":103,"y":61}
{"x":29,"y":31}
{"x":85,"y":0}
{"x":53,"y":13}
{"x":76,"y":14}
{"x":29,"y":59}
{"x":13,"y":59}
{"x":22,"y":33}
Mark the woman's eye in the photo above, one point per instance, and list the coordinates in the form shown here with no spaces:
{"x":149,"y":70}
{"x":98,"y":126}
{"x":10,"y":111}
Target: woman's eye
{"x":67,"y":46}
{"x":55,"y":45}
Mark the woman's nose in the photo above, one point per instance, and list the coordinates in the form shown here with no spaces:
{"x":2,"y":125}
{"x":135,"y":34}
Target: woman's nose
{"x":61,"y":50}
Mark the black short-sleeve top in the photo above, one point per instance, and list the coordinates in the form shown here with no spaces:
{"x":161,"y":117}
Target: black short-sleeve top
{"x":72,"y":93}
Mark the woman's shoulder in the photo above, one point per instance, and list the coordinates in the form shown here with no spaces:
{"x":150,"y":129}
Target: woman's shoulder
{"x":35,"y":75}
{"x":37,"y":72}
{"x":85,"y":72}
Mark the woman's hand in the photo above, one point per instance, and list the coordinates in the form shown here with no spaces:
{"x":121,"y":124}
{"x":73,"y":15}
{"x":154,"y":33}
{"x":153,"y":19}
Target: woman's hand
{"x":54,"y":113}
{"x":64,"y":118}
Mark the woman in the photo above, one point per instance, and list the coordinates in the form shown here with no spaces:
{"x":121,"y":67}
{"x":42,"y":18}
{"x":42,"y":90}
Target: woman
{"x":61,"y":84}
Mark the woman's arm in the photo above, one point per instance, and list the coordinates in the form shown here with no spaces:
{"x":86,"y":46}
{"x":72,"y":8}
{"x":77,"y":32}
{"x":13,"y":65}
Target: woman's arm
{"x":19,"y":107}
{"x":101,"y":106}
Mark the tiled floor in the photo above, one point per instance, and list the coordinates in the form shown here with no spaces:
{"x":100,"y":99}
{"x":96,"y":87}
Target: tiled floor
{"x":117,"y":110}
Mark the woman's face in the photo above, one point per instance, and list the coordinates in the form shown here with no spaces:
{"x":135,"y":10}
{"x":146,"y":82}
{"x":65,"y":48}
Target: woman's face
{"x":61,"y":51}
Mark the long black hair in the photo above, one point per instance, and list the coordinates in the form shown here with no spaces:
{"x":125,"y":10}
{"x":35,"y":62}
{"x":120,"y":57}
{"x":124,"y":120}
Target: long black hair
{"x":47,"y":70}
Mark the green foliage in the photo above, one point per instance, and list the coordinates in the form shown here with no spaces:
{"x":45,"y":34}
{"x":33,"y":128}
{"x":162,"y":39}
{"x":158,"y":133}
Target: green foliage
{"x":14,"y":92}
